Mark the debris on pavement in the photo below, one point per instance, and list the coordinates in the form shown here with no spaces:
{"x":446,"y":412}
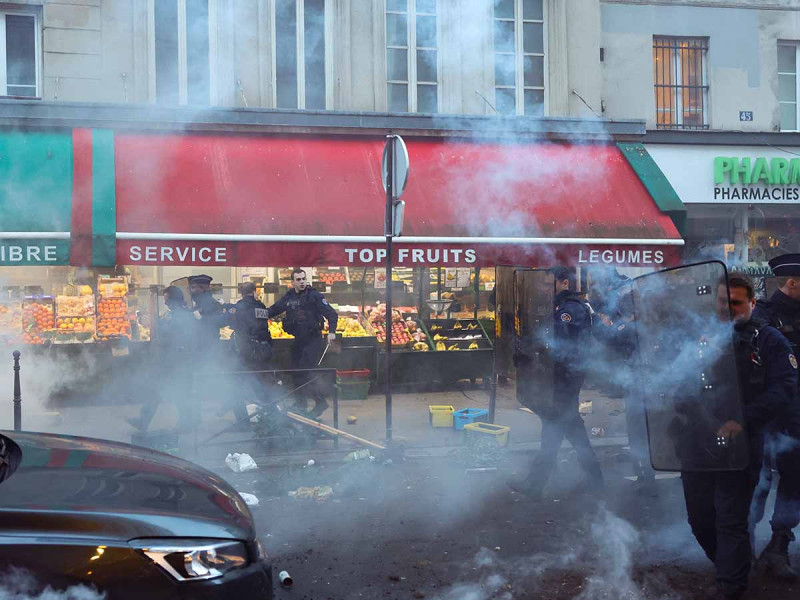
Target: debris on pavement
{"x":240,"y":463}
{"x":352,"y":420}
{"x":285,"y":579}
{"x":310,"y":463}
{"x":319,"y":493}
{"x":357,"y":455}
{"x":598,"y":432}
{"x":249,"y":499}
{"x":586,"y":408}
{"x":252,"y":409}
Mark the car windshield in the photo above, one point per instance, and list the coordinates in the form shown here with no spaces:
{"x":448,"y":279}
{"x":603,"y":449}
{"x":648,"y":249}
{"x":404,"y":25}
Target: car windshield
{"x":10,"y":455}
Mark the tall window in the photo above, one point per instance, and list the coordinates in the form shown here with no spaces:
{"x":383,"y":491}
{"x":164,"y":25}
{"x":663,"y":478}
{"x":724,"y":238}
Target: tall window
{"x":19,"y":53}
{"x":300,"y":78}
{"x":787,"y":85}
{"x":681,"y":82}
{"x":519,"y":70}
{"x":182,"y":56}
{"x":412,"y":56}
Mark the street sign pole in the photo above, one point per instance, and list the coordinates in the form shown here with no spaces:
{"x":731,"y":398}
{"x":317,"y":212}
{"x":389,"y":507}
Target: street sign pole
{"x":394,"y":173}
{"x":389,"y":230}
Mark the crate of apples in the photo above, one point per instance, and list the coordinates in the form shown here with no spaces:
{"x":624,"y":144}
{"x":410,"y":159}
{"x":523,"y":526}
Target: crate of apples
{"x":400,"y":335}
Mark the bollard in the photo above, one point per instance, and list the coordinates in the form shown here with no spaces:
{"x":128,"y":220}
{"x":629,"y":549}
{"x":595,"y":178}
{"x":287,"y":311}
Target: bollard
{"x":17,"y":394}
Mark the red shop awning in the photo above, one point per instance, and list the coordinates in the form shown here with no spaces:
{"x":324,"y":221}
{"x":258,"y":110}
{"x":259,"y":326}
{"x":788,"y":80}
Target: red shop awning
{"x":269,"y":201}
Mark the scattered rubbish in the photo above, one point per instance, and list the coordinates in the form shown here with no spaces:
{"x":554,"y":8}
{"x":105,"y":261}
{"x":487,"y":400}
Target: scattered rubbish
{"x":249,"y":499}
{"x":333,"y":431}
{"x":527,"y":410}
{"x":482,"y":470}
{"x":497,"y":433}
{"x":388,"y":461}
{"x":357,"y":455}
{"x":585,"y":408}
{"x":239,"y":463}
{"x":598,"y":432}
{"x":310,"y":463}
{"x":394,"y":578}
{"x":252,"y":409}
{"x":497,"y":548}
{"x":319,"y":493}
{"x":352,"y":420}
{"x":550,"y":522}
{"x":285,"y":579}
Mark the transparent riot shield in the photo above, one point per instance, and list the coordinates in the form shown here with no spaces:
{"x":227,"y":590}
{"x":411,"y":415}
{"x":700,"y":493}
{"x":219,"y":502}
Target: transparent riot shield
{"x":533,"y":338}
{"x":183,"y":284}
{"x":504,"y":321}
{"x":687,"y":368}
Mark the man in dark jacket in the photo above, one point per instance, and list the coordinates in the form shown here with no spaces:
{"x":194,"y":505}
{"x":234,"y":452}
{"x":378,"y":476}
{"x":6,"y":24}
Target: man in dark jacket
{"x":572,"y":330}
{"x":782,"y":452}
{"x":253,"y":343}
{"x":175,"y":344}
{"x":305,"y":310}
{"x":718,"y":502}
{"x":206,"y":310}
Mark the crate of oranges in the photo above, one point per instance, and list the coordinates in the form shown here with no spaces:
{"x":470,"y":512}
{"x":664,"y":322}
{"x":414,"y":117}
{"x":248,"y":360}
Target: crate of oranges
{"x":37,"y":320}
{"x":112,"y":318}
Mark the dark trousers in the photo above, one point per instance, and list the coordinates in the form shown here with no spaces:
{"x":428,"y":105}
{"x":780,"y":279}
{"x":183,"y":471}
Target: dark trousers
{"x":782,"y":453}
{"x":306,"y":352}
{"x":718,"y":505}
{"x":565,"y":421}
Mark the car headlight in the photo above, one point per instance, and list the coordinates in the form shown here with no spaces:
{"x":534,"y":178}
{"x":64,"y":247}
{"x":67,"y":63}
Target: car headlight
{"x":193,"y":560}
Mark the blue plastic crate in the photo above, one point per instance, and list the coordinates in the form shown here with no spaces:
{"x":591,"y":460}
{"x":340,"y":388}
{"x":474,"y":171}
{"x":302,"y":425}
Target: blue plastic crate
{"x":466,"y":416}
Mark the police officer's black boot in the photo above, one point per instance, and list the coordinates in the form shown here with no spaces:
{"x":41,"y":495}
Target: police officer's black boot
{"x":527,"y":487}
{"x":775,"y":557}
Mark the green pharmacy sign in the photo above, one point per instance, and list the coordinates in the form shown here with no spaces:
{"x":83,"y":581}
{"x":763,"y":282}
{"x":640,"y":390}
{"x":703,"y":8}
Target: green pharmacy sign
{"x":758,"y":178}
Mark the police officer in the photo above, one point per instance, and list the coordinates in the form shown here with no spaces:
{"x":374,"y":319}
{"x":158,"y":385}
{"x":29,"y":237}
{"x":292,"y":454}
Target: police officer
{"x":174,"y":353}
{"x":572,"y":329}
{"x":207,"y":310}
{"x":305,"y":309}
{"x":718,"y":502}
{"x":782,"y":451}
{"x":253,"y":343}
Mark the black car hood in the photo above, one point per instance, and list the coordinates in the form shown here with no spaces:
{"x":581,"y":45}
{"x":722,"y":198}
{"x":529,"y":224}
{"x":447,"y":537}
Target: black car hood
{"x":75,"y":486}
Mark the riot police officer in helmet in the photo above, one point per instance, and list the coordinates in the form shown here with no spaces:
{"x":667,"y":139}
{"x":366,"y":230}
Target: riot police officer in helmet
{"x":572,"y":328}
{"x":782,"y":452}
{"x":305,"y":310}
{"x":207,"y":310}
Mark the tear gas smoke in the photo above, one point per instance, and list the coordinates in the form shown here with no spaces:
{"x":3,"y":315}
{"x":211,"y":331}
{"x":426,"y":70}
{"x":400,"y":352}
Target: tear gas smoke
{"x":18,"y":584}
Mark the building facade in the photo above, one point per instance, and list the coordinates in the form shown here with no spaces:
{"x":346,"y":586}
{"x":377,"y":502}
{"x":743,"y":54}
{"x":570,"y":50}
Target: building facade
{"x":716,"y":82}
{"x":534,"y":57}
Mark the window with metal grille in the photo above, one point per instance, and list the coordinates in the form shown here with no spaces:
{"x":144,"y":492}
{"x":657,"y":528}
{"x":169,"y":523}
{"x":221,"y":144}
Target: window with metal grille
{"x":519,"y":57}
{"x":19,"y":53}
{"x":787,"y":84}
{"x":412,"y":56}
{"x":681,"y":82}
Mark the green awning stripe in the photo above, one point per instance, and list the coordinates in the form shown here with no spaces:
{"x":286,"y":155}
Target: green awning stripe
{"x":656,"y":183}
{"x":104,"y":214}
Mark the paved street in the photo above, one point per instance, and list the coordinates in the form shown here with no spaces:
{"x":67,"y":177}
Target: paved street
{"x":428,"y":529}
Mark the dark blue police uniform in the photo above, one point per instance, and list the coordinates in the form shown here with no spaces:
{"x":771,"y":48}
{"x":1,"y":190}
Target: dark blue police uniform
{"x":304,"y":320}
{"x":572,"y":330}
{"x":783,"y":439}
{"x":718,"y":502}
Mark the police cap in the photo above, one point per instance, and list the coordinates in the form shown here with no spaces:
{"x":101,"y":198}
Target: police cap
{"x":202,"y":279}
{"x":786,"y":265}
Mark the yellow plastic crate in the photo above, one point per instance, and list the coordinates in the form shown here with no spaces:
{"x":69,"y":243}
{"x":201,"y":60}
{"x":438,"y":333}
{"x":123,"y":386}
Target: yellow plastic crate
{"x":440,"y":415}
{"x":500,"y":432}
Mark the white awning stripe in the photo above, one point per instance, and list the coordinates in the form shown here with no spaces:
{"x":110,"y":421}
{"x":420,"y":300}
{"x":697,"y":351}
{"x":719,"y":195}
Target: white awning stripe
{"x":377,"y":239}
{"x":34,"y":235}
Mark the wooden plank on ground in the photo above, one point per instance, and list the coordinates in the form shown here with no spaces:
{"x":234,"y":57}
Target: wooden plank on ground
{"x":334,"y":431}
